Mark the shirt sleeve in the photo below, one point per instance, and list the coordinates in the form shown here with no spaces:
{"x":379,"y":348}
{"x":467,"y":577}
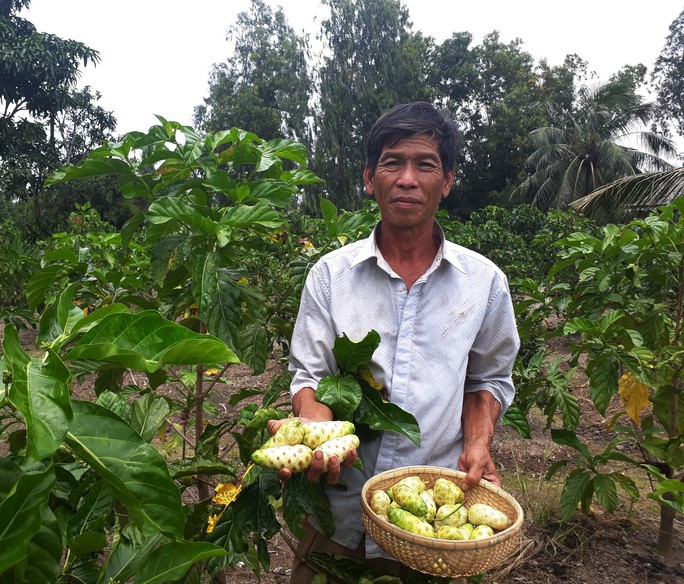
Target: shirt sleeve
{"x":493,"y":353}
{"x":311,"y":357}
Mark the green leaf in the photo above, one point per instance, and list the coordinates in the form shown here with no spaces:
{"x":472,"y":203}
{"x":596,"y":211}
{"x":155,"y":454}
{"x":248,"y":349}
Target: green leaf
{"x":329,"y":212}
{"x":352,"y":354}
{"x":603,"y":381}
{"x":516,"y":418}
{"x":133,"y":469}
{"x":569,"y":438}
{"x":606,"y":492}
{"x":302,"y":499}
{"x":39,"y":282}
{"x":129,"y":553}
{"x":92,"y":510}
{"x":148,"y":414}
{"x":21,"y":515}
{"x":254,"y":348}
{"x":44,"y":552}
{"x":217,"y":297}
{"x":250,"y":216}
{"x":383,"y":415}
{"x":171,"y":561}
{"x":59,"y":318}
{"x":342,"y":394}
{"x":89,"y":167}
{"x":40,"y":392}
{"x":145,"y":342}
{"x":573,"y":492}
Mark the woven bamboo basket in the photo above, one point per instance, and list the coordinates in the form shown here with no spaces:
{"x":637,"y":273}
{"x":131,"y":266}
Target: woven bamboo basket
{"x":440,"y":557}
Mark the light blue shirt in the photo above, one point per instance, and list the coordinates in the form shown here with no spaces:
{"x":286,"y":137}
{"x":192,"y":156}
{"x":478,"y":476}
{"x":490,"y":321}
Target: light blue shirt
{"x":453,"y":331}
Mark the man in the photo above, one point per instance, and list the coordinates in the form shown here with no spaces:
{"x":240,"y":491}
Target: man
{"x":445,"y":320}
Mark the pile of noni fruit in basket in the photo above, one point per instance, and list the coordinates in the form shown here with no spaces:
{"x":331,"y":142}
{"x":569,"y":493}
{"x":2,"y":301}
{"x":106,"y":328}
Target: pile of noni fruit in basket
{"x":439,"y":512}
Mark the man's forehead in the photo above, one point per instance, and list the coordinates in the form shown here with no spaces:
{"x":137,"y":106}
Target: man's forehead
{"x":425,"y":144}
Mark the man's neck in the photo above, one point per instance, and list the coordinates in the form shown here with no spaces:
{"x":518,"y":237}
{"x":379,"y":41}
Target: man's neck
{"x":409,"y":252}
{"x":408,"y":244}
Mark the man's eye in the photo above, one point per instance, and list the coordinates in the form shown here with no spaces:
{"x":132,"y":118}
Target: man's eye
{"x":391,"y":164}
{"x":427,"y":166}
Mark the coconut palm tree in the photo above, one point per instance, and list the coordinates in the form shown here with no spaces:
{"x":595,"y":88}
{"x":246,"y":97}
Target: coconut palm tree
{"x":583,"y":149}
{"x":632,"y":196}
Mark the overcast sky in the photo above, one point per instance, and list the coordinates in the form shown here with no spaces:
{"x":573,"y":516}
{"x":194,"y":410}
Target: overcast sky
{"x":156,"y":54}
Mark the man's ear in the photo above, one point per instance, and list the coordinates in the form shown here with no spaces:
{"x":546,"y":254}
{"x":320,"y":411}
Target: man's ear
{"x":449,"y":182}
{"x":368,"y":177}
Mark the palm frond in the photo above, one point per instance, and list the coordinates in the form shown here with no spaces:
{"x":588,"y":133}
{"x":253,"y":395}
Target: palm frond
{"x":633,"y":196}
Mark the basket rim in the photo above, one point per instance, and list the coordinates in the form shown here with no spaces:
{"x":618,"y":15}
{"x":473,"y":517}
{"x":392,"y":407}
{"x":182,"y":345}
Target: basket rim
{"x":440,"y":544}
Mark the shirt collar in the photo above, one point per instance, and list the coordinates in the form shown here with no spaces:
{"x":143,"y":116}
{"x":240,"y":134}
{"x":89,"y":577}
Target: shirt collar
{"x":370,"y":250}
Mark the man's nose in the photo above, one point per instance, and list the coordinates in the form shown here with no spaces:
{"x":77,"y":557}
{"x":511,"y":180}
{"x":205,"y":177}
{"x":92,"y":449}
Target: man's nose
{"x":408,"y":175}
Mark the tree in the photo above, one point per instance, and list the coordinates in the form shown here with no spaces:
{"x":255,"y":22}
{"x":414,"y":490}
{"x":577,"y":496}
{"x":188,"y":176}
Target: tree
{"x":668,"y":75}
{"x":581,"y":150}
{"x":264,"y":87}
{"x":38,"y":74}
{"x":374,"y":62}
{"x":494,"y":91}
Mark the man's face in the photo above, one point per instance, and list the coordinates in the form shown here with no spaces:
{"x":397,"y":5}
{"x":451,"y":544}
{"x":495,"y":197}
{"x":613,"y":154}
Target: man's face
{"x":409,"y":182}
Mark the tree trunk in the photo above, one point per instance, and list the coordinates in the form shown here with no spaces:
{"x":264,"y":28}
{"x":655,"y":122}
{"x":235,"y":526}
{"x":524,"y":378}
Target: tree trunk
{"x":666,"y":531}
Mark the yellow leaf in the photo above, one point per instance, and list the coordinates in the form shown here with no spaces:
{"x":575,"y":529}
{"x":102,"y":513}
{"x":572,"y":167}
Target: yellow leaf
{"x":365,"y":374}
{"x":634,"y":395}
{"x":226,"y":494}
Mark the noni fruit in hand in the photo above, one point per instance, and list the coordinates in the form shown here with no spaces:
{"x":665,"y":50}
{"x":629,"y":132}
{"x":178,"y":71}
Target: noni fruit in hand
{"x":297,"y":458}
{"x":316,"y":433}
{"x":338,"y":447}
{"x":289,"y":434}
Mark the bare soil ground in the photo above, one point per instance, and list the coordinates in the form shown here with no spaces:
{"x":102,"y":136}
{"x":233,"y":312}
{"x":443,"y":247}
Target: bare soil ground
{"x":595,"y":549}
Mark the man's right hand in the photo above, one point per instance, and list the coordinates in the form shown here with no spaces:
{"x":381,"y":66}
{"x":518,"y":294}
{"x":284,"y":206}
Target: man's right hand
{"x":307,"y":409}
{"x":315,"y":471}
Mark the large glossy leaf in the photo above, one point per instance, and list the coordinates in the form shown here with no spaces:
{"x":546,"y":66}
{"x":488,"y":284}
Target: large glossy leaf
{"x":248,"y":216}
{"x":129,"y":553}
{"x":574,"y":492}
{"x":59,"y":318}
{"x":603,"y":381}
{"x":569,"y":438}
{"x":44,"y":552}
{"x":351,"y":354}
{"x":89,"y":167}
{"x":517,"y":419}
{"x":383,"y":415}
{"x":40,"y":392}
{"x":21,"y":515}
{"x":146,"y":342}
{"x":148,"y":414}
{"x":39,"y":282}
{"x":341,"y":393}
{"x":218,"y":298}
{"x":171,"y":561}
{"x":133,"y":469}
{"x":302,"y":499}
{"x":253,"y":345}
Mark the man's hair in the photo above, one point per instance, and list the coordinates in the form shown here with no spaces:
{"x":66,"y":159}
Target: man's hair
{"x":411,"y":119}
